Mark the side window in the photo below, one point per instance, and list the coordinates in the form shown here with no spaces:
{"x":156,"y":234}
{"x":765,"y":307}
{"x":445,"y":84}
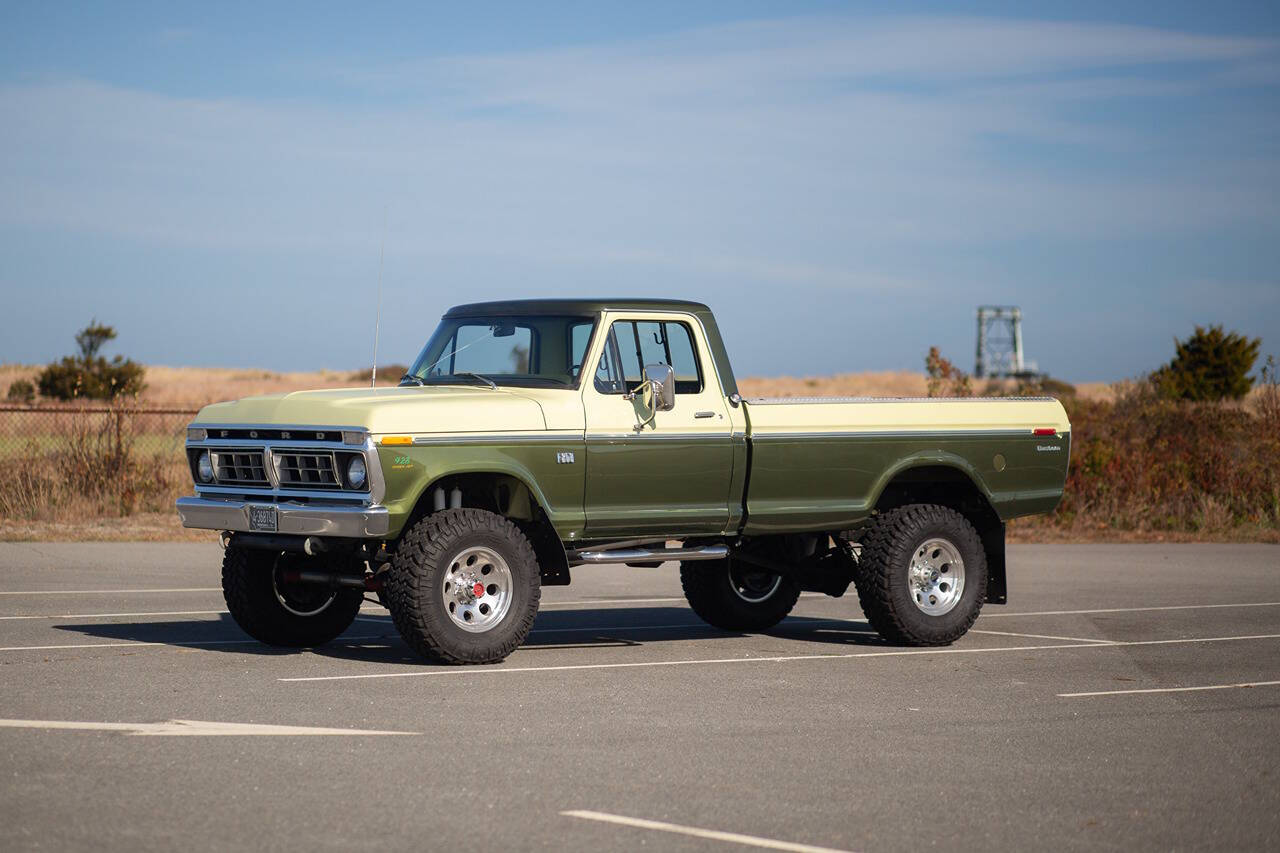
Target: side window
{"x":579,"y":337}
{"x":611,"y":376}
{"x":683,"y":358}
{"x":632,"y":344}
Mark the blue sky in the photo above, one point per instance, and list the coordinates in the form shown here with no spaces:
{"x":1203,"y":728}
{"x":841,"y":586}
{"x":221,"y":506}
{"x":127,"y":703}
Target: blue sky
{"x":842,"y":182}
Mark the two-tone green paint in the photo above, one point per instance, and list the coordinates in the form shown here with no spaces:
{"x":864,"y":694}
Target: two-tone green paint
{"x":639,"y":486}
{"x":556,"y":487}
{"x":832,"y":482}
{"x":756,"y":467}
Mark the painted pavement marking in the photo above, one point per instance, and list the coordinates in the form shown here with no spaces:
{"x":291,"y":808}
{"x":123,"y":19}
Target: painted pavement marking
{"x":697,"y":832}
{"x":1238,"y":685}
{"x":772,"y":659}
{"x":1042,"y":636}
{"x":189,"y":728}
{"x":184,"y":643}
{"x":106,"y":591}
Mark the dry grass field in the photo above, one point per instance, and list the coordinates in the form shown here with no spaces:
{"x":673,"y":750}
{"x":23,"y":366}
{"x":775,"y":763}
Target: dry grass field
{"x":1142,"y":470}
{"x":182,"y":387}
{"x":193,"y":387}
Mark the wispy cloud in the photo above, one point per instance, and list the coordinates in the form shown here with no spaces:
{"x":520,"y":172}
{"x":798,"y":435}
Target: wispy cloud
{"x":829,"y":154}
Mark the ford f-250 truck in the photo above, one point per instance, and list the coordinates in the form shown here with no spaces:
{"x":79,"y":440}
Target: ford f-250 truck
{"x":531,"y":437}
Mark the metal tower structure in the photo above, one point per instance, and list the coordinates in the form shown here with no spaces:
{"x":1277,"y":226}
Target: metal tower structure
{"x":1000,"y":353}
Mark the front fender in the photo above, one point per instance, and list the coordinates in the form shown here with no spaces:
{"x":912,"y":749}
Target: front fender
{"x":557,"y":487}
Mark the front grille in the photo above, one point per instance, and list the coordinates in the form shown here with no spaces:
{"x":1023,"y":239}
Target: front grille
{"x":311,"y":470}
{"x":239,"y":468}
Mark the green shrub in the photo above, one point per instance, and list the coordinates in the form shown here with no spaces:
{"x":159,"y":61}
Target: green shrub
{"x":98,"y":379}
{"x":1209,"y":365}
{"x":89,"y":374}
{"x":1146,"y":463}
{"x":21,"y":391}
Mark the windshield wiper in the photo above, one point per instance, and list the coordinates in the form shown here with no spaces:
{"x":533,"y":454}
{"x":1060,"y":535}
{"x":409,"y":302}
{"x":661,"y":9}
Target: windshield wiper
{"x":485,"y":379}
{"x":411,"y":379}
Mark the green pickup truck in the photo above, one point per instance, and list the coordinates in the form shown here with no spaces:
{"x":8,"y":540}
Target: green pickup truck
{"x":532,"y":437}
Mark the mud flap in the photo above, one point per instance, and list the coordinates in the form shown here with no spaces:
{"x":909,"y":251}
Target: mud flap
{"x":993,"y":545}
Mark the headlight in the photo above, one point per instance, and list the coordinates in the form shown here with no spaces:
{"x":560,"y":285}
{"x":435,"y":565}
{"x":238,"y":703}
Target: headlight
{"x":204,"y":468}
{"x":356,"y":472}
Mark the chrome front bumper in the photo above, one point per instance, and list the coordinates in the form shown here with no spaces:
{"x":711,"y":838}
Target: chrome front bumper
{"x":357,"y":522}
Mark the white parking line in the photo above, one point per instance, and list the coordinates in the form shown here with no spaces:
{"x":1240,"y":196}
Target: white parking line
{"x":384,"y":620}
{"x":773,"y":659}
{"x":986,"y":615}
{"x":116,"y":615}
{"x":189,"y":728}
{"x":1171,"y":689}
{"x":106,"y":591}
{"x":140,"y":643}
{"x":990,"y":615}
{"x":712,"y":834}
{"x":1041,"y":636}
{"x":666,"y":600}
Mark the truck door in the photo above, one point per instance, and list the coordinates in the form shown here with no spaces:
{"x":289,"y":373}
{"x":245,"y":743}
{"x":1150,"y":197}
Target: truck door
{"x":673,"y":474}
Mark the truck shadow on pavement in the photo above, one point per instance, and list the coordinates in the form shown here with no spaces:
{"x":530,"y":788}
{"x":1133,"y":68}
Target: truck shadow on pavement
{"x":373,"y":638}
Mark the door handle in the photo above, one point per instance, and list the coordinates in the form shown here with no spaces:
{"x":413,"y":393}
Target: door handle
{"x":704,"y":414}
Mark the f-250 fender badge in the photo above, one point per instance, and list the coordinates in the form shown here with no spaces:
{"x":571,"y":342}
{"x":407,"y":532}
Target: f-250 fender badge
{"x":1046,"y":448}
{"x":564,"y":458}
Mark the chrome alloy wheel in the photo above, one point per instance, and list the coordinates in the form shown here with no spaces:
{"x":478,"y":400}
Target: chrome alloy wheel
{"x":477,"y":589}
{"x":753,"y":585}
{"x":935,"y":578}
{"x":300,"y":599}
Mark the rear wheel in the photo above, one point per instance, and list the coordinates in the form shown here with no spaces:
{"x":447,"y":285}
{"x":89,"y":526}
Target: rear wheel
{"x":922,"y":577}
{"x":280,"y":612}
{"x":464,"y":587}
{"x":737,"y":596}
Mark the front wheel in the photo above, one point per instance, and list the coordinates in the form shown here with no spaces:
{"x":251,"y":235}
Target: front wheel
{"x":922,"y":577}
{"x":464,"y":587}
{"x":282,"y":612}
{"x":737,"y":596}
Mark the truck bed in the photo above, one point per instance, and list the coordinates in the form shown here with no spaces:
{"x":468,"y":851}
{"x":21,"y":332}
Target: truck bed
{"x":822,"y":462}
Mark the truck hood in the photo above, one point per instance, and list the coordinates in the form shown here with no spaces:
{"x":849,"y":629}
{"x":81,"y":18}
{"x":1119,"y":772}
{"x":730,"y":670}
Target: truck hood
{"x":387,"y":410}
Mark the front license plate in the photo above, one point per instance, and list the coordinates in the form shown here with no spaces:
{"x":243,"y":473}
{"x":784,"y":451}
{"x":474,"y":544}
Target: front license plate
{"x":262,"y":518}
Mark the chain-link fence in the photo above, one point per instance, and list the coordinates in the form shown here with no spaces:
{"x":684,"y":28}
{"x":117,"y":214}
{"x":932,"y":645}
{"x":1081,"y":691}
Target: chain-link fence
{"x":36,"y":431}
{"x":74,"y":461}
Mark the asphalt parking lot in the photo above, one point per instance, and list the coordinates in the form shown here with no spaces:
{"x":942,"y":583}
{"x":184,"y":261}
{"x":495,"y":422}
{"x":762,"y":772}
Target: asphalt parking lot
{"x":1097,"y":710}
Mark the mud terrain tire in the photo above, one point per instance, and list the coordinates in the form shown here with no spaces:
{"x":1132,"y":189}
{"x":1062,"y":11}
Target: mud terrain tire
{"x":285,"y":614}
{"x":737,"y":596}
{"x":438,"y":561}
{"x":912,"y":558}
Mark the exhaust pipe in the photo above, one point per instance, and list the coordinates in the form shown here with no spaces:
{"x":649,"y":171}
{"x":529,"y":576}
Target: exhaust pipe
{"x":309,"y":545}
{"x":648,"y":555}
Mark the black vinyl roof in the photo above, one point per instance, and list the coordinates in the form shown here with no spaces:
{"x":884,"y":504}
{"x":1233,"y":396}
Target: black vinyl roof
{"x":572,"y":306}
{"x":584,"y":307}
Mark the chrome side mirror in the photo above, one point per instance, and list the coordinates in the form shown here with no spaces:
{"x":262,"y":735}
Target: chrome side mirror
{"x":662,"y":379}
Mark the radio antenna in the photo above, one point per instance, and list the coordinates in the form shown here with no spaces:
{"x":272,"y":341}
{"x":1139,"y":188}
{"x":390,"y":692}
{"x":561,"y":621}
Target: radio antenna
{"x":377,"y":320}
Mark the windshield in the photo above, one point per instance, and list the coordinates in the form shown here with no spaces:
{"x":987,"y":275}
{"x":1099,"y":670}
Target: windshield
{"x":517,"y":349}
